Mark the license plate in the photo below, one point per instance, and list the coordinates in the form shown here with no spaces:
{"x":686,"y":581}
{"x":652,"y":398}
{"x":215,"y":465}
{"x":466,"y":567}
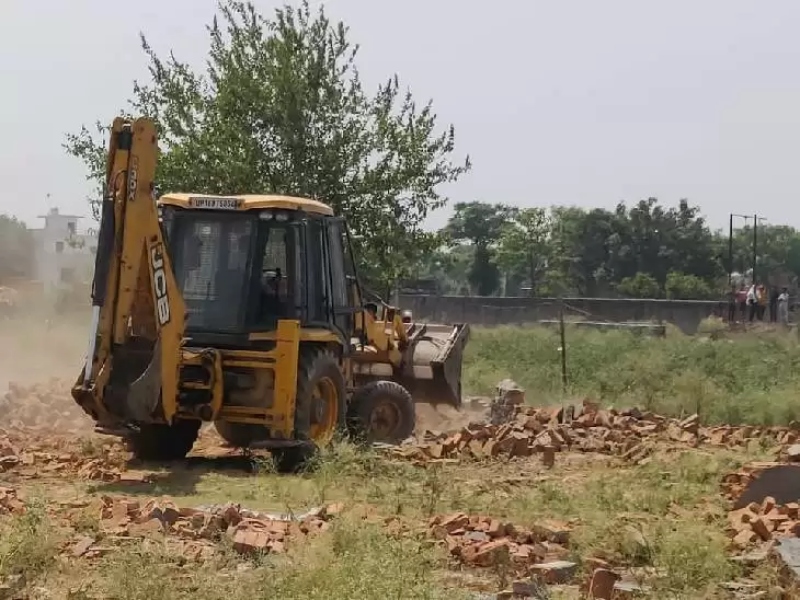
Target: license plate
{"x":215,"y":203}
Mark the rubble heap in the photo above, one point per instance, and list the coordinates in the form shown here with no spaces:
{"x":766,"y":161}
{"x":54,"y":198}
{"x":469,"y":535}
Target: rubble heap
{"x":765,"y":502}
{"x":537,"y":556}
{"x":485,"y":542}
{"x":734,"y":484}
{"x":764,"y":522}
{"x":47,"y":406}
{"x":199,"y":529}
{"x":31,"y":455}
{"x":535,"y":430}
{"x":516,"y":430}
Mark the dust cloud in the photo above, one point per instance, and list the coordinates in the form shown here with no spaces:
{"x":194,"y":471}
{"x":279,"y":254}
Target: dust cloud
{"x":443,"y":417}
{"x":41,"y":355}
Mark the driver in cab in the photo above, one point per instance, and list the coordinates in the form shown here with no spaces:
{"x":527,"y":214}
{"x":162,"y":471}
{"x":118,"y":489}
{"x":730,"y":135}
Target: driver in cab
{"x":273,"y":293}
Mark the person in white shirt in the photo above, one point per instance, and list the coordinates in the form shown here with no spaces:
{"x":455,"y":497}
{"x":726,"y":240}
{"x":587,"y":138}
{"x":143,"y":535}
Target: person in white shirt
{"x":752,"y":302}
{"x":783,"y":307}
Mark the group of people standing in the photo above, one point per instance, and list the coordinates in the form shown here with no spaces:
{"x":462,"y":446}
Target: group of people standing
{"x":753,"y":303}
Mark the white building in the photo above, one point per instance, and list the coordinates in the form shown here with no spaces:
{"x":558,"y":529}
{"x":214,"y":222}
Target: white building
{"x":63,"y":255}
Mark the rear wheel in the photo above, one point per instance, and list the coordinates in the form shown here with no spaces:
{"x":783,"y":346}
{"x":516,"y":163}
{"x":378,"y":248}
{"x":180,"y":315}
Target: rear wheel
{"x":163,"y":442}
{"x":294,"y":459}
{"x":320,"y":403}
{"x":320,"y":408}
{"x":382,"y":411}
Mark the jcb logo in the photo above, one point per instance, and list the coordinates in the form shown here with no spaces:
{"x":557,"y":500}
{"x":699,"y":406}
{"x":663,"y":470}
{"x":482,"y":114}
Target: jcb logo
{"x":159,"y":283}
{"x":133,"y":178}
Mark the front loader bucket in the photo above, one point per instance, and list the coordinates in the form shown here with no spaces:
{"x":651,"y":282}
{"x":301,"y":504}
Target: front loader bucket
{"x":437,"y":354}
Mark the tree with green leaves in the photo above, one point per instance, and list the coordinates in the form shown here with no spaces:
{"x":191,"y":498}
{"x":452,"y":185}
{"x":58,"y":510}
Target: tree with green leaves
{"x":281,"y":109}
{"x":480,"y":224}
{"x":687,"y":286}
{"x":584,"y":241}
{"x":777,"y":249}
{"x":526,"y":245}
{"x":640,"y":285}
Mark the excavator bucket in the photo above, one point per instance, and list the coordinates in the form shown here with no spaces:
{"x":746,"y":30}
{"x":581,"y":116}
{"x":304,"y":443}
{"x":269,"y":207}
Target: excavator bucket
{"x":433,"y":375}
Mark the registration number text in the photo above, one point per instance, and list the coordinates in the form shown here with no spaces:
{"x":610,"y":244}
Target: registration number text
{"x":216,"y":203}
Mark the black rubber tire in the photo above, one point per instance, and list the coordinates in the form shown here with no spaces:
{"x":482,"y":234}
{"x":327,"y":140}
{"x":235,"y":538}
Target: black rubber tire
{"x":369,"y":397}
{"x":294,"y":459}
{"x":163,"y":442}
{"x":315,"y":364}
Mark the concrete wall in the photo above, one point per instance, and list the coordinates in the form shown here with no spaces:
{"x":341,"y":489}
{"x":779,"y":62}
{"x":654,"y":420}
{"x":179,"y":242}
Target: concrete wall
{"x":685,"y":314}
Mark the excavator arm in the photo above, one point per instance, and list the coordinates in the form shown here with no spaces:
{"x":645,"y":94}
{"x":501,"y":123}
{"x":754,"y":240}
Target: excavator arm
{"x":132,"y":366}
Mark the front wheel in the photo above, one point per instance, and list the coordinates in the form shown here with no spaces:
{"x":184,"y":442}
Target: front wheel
{"x":382,"y":411}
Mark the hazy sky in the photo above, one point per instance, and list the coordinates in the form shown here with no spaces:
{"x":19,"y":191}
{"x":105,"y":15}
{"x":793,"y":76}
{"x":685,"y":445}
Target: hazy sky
{"x":566,"y":102}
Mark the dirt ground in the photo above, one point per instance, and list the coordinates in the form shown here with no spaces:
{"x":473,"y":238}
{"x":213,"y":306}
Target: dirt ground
{"x":603,"y":505}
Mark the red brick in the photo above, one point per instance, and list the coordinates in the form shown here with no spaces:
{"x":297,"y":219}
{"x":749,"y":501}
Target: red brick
{"x":601,"y":587}
{"x":247,"y":541}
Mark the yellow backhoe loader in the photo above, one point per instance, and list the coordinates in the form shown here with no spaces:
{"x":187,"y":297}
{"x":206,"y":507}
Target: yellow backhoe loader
{"x":245,"y":311}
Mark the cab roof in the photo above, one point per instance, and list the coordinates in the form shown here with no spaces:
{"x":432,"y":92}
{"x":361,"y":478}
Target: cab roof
{"x":253,"y":201}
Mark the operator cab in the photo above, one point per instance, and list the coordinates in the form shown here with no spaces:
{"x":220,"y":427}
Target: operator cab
{"x":243,"y":265}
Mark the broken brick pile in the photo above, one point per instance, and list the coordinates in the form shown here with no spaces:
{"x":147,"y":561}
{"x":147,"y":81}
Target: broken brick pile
{"x":760,"y":521}
{"x":538,"y":555}
{"x":630,"y":434}
{"x":763,"y":522}
{"x":485,"y":542}
{"x":31,"y":455}
{"x":199,"y":529}
{"x":734,"y":484}
{"x":46,"y":406}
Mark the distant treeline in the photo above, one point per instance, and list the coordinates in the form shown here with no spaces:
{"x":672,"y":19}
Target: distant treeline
{"x":643,"y":250}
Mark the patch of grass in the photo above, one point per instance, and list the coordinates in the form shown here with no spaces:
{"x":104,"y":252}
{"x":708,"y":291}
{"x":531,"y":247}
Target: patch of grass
{"x":342,"y":473}
{"x":665,"y":518}
{"x":749,"y":378}
{"x":354,"y":560}
{"x":361,"y":561}
{"x":28,"y":543}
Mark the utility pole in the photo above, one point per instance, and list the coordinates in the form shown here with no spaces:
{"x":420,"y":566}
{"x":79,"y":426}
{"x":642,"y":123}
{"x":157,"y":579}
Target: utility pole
{"x":756,"y":219}
{"x":730,"y":251}
{"x":755,"y":246}
{"x":730,"y":243}
{"x":561,"y":326}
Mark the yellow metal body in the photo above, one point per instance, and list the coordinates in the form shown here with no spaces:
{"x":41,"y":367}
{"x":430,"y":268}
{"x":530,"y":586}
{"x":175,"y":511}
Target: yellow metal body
{"x":386,"y":337}
{"x":143,"y":308}
{"x":141,"y":285}
{"x":282,"y":363}
{"x":141,"y":277}
{"x":249,"y":202}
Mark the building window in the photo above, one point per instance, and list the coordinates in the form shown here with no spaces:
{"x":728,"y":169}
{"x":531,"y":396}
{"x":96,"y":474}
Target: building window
{"x":59,"y":247}
{"x":71,"y":228}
